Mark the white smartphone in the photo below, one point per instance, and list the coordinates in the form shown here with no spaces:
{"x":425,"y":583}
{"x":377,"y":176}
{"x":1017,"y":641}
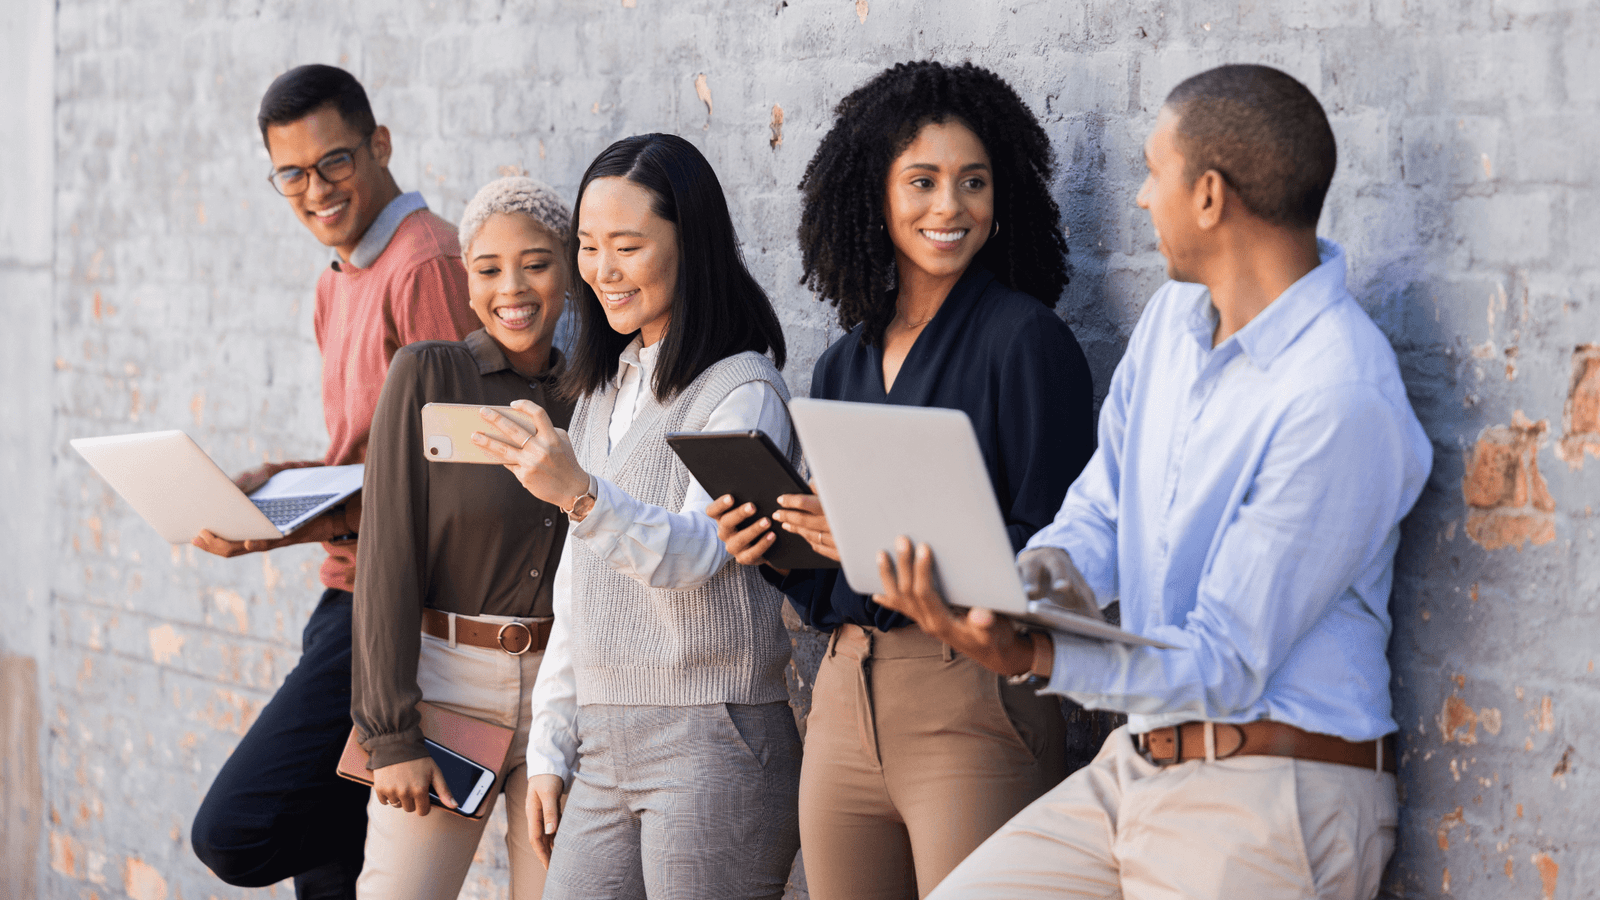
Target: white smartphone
{"x":469,"y":782}
{"x":447,"y":431}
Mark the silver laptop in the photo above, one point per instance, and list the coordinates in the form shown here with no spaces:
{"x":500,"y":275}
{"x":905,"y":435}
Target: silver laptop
{"x":884,"y":470}
{"x":174,"y":485}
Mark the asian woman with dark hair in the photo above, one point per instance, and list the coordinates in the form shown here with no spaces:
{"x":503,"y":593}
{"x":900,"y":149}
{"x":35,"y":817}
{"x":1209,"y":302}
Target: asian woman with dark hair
{"x":662,"y":700}
{"x":927,"y":219}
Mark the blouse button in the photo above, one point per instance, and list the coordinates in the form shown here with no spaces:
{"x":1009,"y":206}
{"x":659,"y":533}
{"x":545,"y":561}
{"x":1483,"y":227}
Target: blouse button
{"x":534,"y":574}
{"x":549,"y":522}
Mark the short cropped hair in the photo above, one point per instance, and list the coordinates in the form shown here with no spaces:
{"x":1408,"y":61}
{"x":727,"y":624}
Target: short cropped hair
{"x":516,"y":194}
{"x":303,"y":90}
{"x":718,"y":309}
{"x":1265,"y":133}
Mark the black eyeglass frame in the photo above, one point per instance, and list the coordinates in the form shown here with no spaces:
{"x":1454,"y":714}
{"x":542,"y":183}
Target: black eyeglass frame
{"x":272,"y":177}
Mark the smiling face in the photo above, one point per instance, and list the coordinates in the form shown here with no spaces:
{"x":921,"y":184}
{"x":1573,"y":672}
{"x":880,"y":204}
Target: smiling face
{"x":517,"y":281}
{"x":337,"y":214}
{"x":1168,"y":194}
{"x":939,"y":200}
{"x":629,"y":256}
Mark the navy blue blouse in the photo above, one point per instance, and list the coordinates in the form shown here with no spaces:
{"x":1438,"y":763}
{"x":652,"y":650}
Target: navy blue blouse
{"x":1016,"y":370}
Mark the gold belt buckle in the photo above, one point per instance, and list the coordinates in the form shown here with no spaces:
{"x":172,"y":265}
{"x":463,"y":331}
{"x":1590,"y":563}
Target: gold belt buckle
{"x":500,"y":638}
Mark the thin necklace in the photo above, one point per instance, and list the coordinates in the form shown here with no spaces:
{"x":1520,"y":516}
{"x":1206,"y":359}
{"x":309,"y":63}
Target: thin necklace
{"x":911,"y":325}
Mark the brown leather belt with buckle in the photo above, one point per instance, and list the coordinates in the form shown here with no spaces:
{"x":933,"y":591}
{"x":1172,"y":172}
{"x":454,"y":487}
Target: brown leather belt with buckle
{"x":514,"y":638}
{"x":1180,"y":743}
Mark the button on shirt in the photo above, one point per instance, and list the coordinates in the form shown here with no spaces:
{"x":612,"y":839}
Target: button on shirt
{"x":457,"y":538}
{"x":1244,"y":504}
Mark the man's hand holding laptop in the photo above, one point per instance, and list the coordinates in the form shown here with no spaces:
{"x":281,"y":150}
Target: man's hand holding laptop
{"x":910,"y":587}
{"x":342,"y":520}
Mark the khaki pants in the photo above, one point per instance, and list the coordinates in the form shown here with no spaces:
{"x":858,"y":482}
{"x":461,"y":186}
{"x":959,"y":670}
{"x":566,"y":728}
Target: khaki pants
{"x":412,"y":857}
{"x":913,"y":756}
{"x":1255,"y":826}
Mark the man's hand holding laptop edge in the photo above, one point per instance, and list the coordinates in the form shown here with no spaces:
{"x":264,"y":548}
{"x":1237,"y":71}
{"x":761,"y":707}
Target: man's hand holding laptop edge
{"x":344,"y":519}
{"x":910,"y":587}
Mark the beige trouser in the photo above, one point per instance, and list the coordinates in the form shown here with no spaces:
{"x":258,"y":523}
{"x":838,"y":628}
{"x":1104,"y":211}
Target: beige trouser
{"x":412,"y":857}
{"x":913,"y":755}
{"x":1255,"y":827}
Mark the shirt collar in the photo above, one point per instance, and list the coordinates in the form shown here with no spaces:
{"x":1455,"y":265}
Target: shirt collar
{"x":381,"y":231}
{"x":491,"y":358}
{"x":643,"y":358}
{"x":1276,"y":327}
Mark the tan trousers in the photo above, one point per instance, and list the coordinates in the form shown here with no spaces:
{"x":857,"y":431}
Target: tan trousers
{"x":412,"y":857}
{"x":913,"y":756}
{"x":1256,"y":826}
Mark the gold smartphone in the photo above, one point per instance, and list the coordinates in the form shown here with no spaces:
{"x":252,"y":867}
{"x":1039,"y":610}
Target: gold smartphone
{"x":447,"y":432}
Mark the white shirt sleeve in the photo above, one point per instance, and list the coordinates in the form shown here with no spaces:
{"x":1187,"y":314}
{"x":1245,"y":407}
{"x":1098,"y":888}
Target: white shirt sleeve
{"x":676,"y":550}
{"x":552,"y":739}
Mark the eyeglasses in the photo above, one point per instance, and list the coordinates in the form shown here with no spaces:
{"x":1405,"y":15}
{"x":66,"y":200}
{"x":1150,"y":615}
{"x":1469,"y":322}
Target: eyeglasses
{"x":292,"y":181}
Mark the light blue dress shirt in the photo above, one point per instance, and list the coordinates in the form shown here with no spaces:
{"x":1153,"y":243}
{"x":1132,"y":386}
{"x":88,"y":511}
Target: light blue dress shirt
{"x":1244,"y":504}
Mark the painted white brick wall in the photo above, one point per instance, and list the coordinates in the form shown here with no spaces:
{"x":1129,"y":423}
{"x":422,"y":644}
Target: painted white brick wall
{"x":150,"y":278}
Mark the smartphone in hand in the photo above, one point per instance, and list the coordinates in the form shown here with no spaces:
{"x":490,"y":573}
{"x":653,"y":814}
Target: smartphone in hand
{"x":447,"y":432}
{"x":469,"y":782}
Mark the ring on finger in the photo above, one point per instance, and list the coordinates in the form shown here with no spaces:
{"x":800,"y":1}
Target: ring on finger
{"x":525,"y":441}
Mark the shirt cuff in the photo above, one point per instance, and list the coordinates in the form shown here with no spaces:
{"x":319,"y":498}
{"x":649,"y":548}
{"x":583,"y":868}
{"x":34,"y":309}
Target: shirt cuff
{"x":1081,"y":666}
{"x":539,"y":764}
{"x":610,"y":516}
{"x":388,"y":749}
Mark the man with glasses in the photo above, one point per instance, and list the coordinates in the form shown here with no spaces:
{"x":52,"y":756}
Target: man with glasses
{"x":276,"y":809}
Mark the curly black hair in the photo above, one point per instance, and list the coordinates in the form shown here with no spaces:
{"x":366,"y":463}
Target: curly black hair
{"x":845,"y":251}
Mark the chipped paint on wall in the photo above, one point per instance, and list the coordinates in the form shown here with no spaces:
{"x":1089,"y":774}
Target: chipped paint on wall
{"x":1448,"y":823}
{"x":1458,"y":722}
{"x":142,"y":882}
{"x":1580,"y":417}
{"x":165,"y":644}
{"x":702,"y":89}
{"x":1549,"y":871}
{"x":1509,"y":503}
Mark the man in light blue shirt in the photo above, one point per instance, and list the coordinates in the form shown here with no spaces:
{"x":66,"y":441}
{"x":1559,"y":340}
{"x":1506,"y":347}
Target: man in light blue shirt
{"x":1256,"y":455}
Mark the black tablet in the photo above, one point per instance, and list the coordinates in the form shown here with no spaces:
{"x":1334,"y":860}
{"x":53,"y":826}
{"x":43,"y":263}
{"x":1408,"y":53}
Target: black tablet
{"x":749,"y":466}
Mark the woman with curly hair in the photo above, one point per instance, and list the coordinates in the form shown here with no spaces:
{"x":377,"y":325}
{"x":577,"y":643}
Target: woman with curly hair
{"x":928,"y":220}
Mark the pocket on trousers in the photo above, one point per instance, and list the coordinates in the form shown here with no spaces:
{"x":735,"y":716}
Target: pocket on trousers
{"x":1018,"y":711}
{"x":763,"y":730}
{"x":746,"y":733}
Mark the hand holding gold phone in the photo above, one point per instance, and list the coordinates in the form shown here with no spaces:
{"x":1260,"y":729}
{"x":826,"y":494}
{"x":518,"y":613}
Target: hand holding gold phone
{"x":447,"y":432}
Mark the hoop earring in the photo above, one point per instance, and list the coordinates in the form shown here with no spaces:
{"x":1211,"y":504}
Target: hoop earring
{"x":996,"y":228}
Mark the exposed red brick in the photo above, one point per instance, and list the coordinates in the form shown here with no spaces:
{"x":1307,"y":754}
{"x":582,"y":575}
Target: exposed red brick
{"x":1458,"y":721}
{"x":1510,"y":503}
{"x":1548,"y":870}
{"x":1581,"y":416}
{"x":1446,"y":823}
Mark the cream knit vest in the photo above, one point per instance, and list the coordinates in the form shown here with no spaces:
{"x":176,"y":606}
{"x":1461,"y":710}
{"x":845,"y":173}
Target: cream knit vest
{"x":722,"y":642}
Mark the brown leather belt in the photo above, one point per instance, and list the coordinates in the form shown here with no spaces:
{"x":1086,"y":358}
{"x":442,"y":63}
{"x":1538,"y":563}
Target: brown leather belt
{"x":514,"y":638}
{"x":1179,"y":743}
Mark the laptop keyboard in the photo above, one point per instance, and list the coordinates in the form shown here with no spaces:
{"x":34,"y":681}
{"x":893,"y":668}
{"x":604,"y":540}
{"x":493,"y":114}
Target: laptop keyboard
{"x":280,"y":511}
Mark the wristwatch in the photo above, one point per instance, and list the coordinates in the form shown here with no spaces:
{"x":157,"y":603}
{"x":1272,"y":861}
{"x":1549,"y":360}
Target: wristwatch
{"x":580,"y":506}
{"x":341,"y":526}
{"x":1043,"y":651}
